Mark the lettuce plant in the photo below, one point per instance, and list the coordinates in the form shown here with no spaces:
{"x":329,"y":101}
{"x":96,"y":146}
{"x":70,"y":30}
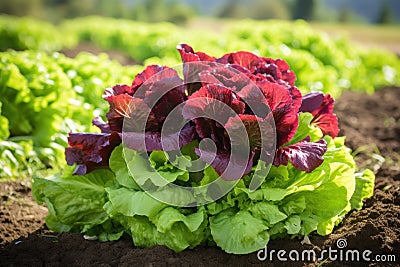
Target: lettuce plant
{"x":284,"y":171}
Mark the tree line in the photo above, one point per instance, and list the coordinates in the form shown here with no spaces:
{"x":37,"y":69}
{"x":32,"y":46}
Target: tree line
{"x":310,"y":10}
{"x":181,"y":11}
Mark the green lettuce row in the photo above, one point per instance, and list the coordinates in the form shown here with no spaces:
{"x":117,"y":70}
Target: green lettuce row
{"x":44,"y":97}
{"x":27,"y":33}
{"x":321,"y":63}
{"x":139,"y":40}
{"x":289,"y":202}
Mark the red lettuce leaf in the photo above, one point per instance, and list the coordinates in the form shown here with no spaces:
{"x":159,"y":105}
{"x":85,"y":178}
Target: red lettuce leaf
{"x":119,"y":109}
{"x":304,"y":155}
{"x":164,"y":92}
{"x":328,"y":123}
{"x":194,"y":63}
{"x":152,"y":74}
{"x":157,"y":87}
{"x":212,"y":101}
{"x":287,"y":74}
{"x":262,"y":68}
{"x":103,"y":126}
{"x":244,"y":59}
{"x":296,"y":97}
{"x":169,"y":100}
{"x":260,"y":135}
{"x":321,"y":107}
{"x":252,"y":125}
{"x":311,"y":101}
{"x":118,"y":89}
{"x":284,"y":109}
{"x":188,"y":55}
{"x":90,"y":150}
{"x":234,"y":77}
{"x":229,"y":169}
{"x":160,"y":88}
{"x":149,"y":141}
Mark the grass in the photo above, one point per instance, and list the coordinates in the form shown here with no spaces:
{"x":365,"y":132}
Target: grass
{"x":368,"y":156}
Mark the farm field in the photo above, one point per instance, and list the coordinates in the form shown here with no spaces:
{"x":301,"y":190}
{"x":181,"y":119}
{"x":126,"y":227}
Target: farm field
{"x":362,"y":72}
{"x":376,"y":36}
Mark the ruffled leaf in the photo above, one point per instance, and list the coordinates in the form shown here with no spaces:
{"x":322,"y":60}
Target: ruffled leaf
{"x":212,"y":102}
{"x":283,"y":107}
{"x":188,"y":55}
{"x":194,"y":63}
{"x":152,"y":74}
{"x":90,"y":150}
{"x":229,"y":168}
{"x":233,"y":77}
{"x":244,"y":59}
{"x":311,"y":102}
{"x":238,"y":232}
{"x":263,"y":69}
{"x":321,"y":107}
{"x":149,"y":140}
{"x":119,"y":109}
{"x":103,"y":126}
{"x":304,"y":155}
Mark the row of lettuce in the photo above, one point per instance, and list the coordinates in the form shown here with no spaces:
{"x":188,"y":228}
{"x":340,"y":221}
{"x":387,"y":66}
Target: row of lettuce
{"x":321,"y":63}
{"x":45,"y":95}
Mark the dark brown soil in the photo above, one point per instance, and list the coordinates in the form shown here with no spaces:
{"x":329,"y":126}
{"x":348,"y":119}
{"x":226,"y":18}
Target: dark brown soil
{"x":19,"y":213}
{"x":371,"y":124}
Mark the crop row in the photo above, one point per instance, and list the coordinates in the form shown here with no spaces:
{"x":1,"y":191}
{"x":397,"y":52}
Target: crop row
{"x":44,"y":97}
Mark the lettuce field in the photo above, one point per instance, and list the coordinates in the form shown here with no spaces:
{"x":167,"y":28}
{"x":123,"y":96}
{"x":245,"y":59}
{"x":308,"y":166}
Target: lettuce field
{"x":84,"y":137}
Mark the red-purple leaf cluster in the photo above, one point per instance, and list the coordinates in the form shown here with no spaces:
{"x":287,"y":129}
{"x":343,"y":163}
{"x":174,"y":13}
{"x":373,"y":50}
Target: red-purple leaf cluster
{"x":321,"y":107}
{"x":220,"y":98}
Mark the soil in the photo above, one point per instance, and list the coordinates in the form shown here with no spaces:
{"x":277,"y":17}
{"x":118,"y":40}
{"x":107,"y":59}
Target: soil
{"x":372,"y":126}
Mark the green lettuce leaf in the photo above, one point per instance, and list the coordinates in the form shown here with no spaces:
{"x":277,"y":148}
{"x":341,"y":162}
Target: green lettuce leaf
{"x":238,"y":232}
{"x":171,"y":171}
{"x":130,"y":202}
{"x":165,"y":220}
{"x":75,"y":203}
{"x":268,"y":212}
{"x":306,"y":129}
{"x":145,"y":234}
{"x":365,"y":182}
{"x":169,"y":227}
{"x":156,"y":169}
{"x":120,"y":169}
{"x":293,"y":224}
